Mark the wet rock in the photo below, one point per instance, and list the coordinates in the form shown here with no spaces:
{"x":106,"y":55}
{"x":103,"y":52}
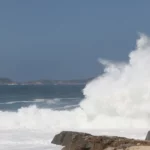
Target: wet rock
{"x":83,"y":141}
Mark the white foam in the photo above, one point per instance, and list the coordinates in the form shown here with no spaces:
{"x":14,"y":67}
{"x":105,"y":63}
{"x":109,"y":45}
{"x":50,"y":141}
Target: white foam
{"x":49,"y":101}
{"x":53,"y":101}
{"x":123,"y":91}
{"x":14,"y":102}
{"x":39,"y":100}
{"x":116,"y":103}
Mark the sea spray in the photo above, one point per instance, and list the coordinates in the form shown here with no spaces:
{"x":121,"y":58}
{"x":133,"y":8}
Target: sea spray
{"x":123,"y":91}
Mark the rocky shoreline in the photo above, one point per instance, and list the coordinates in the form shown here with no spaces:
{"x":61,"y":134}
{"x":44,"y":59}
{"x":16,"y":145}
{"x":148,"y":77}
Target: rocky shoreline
{"x":84,"y":141}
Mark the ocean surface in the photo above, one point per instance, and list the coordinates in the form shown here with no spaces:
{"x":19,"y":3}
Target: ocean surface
{"x":30,"y":116}
{"x":115,"y":103}
{"x":56,"y":97}
{"x":26,"y":118}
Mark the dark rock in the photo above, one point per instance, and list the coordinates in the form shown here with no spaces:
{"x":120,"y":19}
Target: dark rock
{"x":66,"y":137}
{"x":148,"y":136}
{"x":83,"y":141}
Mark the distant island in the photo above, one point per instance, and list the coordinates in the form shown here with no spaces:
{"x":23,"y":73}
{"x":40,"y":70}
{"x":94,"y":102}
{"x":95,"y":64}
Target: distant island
{"x":7,"y":81}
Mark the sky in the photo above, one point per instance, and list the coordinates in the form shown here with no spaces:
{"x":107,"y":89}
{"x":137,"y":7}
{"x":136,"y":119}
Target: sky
{"x":63,"y":39}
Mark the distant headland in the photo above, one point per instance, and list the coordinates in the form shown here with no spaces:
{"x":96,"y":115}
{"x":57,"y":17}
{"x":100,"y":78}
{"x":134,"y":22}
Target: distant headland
{"x":7,"y":81}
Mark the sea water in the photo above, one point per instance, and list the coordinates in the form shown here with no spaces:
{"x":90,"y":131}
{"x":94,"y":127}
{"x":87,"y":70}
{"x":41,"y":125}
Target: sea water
{"x":115,"y":103}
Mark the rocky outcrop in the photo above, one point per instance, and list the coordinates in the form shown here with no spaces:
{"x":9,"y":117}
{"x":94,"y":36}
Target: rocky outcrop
{"x":66,"y":137}
{"x":148,"y":136}
{"x":83,"y":141}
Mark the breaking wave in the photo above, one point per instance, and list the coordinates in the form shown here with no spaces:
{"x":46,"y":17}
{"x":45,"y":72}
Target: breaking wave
{"x":119,"y":98}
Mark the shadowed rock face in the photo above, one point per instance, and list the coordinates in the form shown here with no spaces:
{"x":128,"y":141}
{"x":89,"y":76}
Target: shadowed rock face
{"x":69,"y":138}
{"x":83,"y":141}
{"x":148,"y":136}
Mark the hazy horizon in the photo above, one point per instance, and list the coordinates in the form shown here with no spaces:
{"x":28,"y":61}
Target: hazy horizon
{"x":48,"y":79}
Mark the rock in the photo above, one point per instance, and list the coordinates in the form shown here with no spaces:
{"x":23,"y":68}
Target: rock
{"x":83,"y":141}
{"x":66,"y":137}
{"x":148,"y":136}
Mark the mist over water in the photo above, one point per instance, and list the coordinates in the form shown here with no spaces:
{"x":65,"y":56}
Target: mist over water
{"x":116,"y":101}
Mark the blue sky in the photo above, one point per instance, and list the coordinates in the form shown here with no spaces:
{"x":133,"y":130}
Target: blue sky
{"x":63,"y":39}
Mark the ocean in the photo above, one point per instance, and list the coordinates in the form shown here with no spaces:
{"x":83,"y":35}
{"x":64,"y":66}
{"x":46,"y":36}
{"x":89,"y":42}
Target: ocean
{"x":56,"y":97}
{"x":114,"y":103}
{"x":29,"y":114}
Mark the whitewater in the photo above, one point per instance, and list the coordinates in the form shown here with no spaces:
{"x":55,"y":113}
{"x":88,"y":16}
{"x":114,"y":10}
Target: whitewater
{"x":115,"y":103}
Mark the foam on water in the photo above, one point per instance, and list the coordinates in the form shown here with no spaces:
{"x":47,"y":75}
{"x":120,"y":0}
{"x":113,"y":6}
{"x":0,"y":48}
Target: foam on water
{"x":116,"y":103}
{"x":123,"y":91}
{"x":49,"y":101}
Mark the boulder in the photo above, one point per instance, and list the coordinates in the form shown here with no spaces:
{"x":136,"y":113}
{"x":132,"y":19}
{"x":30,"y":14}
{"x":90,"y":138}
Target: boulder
{"x":66,"y":137}
{"x":70,"y":139}
{"x":84,"y":141}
